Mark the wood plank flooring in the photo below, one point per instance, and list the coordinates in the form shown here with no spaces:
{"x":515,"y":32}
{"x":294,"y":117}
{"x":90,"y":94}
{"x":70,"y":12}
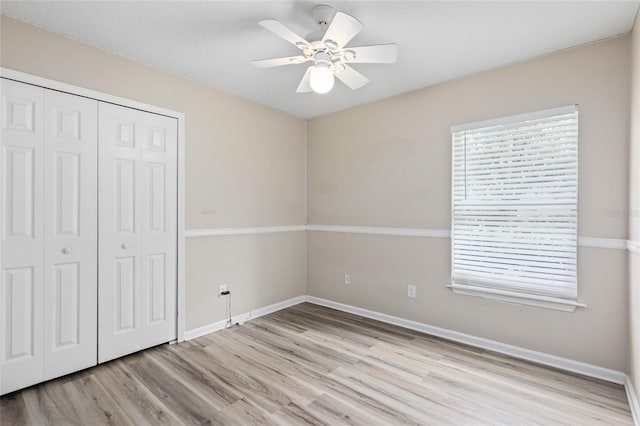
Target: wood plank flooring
{"x":312,"y":365}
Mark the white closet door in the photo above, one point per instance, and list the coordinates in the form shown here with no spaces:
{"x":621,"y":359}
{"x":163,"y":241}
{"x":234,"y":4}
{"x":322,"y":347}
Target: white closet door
{"x":21,"y":286}
{"x":159,"y":136}
{"x":119,"y":265}
{"x":137,"y":230}
{"x":71,"y":234}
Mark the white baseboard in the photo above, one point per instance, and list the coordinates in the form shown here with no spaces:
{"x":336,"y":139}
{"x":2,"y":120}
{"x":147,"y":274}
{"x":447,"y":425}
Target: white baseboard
{"x":205,"y":329}
{"x":241,"y":318}
{"x":480,"y":342}
{"x":632,"y":396}
{"x":515,"y":351}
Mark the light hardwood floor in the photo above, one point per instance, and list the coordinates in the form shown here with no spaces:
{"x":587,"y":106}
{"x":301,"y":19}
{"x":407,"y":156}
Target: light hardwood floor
{"x":312,"y":365}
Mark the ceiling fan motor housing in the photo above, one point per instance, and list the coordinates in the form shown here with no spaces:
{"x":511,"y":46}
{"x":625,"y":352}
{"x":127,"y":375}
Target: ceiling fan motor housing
{"x":322,"y":58}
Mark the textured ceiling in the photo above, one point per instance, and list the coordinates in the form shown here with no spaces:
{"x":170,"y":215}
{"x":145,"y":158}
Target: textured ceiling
{"x":213,"y":42}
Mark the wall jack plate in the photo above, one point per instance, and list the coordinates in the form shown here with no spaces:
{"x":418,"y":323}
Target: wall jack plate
{"x":222,"y":289}
{"x":411,"y":291}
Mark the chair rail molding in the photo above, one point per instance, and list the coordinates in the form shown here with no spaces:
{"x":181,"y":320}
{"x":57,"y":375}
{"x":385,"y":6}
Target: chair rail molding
{"x":597,"y":242}
{"x":218,"y":232}
{"x":374,"y":230}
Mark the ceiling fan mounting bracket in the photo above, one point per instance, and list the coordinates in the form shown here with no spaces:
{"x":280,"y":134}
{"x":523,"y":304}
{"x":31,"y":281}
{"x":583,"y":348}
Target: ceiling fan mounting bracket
{"x":323,"y":15}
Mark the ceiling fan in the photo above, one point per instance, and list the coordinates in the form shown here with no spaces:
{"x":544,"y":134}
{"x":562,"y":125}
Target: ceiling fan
{"x":326,"y":50}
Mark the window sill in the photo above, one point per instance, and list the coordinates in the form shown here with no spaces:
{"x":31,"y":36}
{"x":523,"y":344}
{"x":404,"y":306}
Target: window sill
{"x":518,"y":298}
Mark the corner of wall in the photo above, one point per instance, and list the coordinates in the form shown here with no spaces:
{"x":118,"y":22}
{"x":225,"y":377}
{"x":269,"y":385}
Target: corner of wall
{"x":306,"y":205}
{"x":634,"y":209}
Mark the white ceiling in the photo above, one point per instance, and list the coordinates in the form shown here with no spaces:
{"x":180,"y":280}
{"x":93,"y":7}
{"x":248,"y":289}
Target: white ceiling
{"x":213,"y":42}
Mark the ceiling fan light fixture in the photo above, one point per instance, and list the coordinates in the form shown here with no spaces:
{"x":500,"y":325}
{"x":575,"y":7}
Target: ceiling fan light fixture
{"x":326,"y":49}
{"x":321,"y":79}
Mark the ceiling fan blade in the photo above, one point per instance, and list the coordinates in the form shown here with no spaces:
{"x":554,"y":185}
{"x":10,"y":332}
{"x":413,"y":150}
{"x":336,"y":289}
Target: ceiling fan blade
{"x":377,"y":54}
{"x":305,"y":85}
{"x":342,"y":29}
{"x":280,"y":30}
{"x":352,"y":78}
{"x":276,"y":62}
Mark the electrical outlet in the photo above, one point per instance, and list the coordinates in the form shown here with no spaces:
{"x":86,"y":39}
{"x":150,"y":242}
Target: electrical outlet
{"x":222,"y":288}
{"x":411,"y":291}
{"x":347,"y":279}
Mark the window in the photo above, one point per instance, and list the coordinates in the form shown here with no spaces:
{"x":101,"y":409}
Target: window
{"x":515,"y":208}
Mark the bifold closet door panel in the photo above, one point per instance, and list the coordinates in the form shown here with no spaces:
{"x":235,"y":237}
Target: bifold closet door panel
{"x":159,"y":207}
{"x":21,"y":288}
{"x":71,"y":234}
{"x":137,"y":230}
{"x":119,"y":265}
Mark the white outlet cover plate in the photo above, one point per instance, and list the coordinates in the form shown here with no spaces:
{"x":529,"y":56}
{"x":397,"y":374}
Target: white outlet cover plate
{"x":411,"y":291}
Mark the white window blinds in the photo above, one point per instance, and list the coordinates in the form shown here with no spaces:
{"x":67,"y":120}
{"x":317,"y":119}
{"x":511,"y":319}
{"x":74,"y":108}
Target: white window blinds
{"x":515,"y":204}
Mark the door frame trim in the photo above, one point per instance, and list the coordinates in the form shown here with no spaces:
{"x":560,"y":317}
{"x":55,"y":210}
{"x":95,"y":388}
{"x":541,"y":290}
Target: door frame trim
{"x":129,"y":103}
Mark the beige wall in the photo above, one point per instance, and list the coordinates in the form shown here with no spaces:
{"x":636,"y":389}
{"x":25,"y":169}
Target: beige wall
{"x":634,"y":207}
{"x":383,"y":164}
{"x":389,"y":164}
{"x":381,"y":267}
{"x":262,"y":269}
{"x":244,"y":167}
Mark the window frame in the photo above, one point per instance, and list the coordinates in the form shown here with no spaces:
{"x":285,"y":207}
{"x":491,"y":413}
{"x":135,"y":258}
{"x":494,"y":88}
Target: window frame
{"x":519,"y":297}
